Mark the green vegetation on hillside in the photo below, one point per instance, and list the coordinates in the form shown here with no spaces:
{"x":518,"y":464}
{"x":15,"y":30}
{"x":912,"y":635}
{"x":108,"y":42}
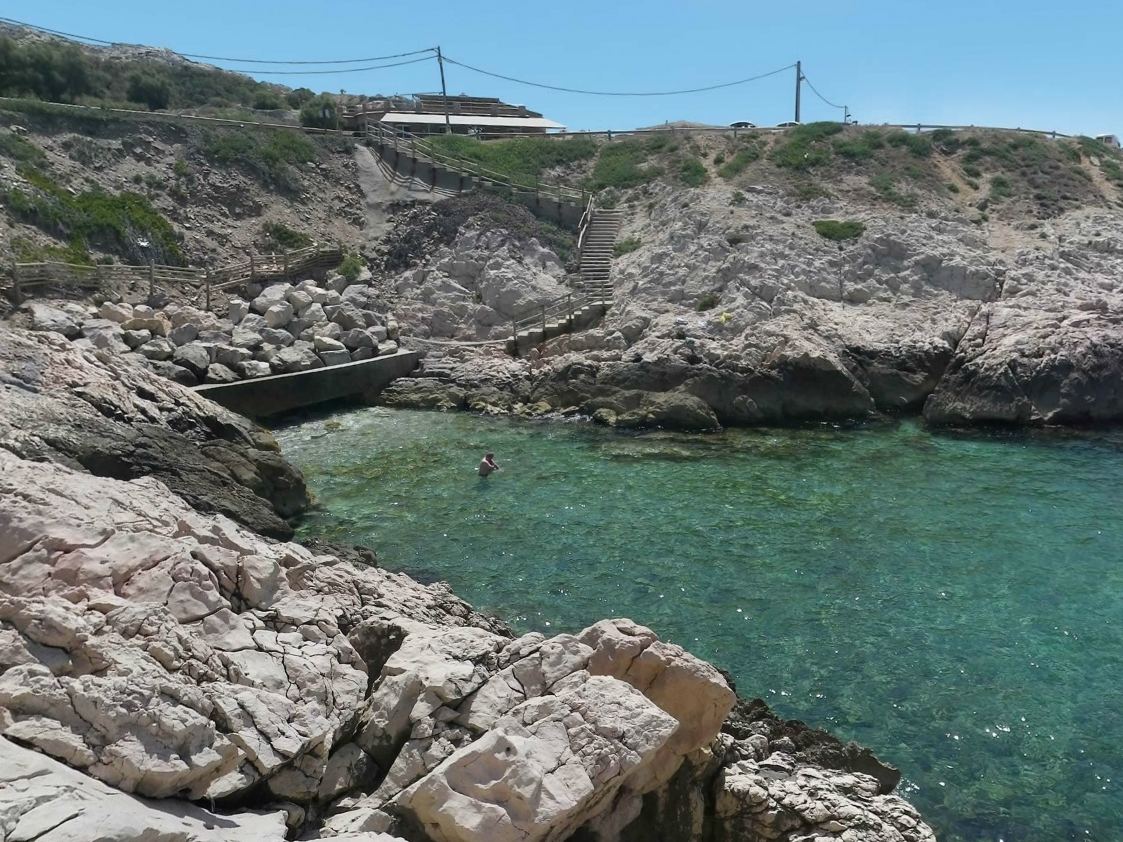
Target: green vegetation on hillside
{"x":833,"y":229}
{"x":623,"y":163}
{"x":805,"y":147}
{"x":708,"y":301}
{"x":351,"y":266}
{"x":269,"y":156}
{"x":626,"y":246}
{"x":279,"y":237}
{"x":522,"y":158}
{"x":19,"y":149}
{"x":124,"y":224}
{"x":692,"y":172}
{"x":56,"y":71}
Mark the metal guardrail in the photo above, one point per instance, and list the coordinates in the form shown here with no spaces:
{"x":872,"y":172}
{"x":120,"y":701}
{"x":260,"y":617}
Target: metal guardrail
{"x":256,"y":268}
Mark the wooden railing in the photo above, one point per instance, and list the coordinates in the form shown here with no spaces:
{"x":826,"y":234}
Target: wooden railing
{"x":256,"y":268}
{"x":564,"y":306}
{"x":420,"y":148}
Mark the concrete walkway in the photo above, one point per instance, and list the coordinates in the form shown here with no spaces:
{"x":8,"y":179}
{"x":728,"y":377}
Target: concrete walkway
{"x":262,"y":396}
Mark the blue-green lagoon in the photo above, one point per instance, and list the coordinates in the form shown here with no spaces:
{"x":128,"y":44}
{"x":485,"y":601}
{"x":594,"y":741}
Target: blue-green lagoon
{"x":952,"y":601}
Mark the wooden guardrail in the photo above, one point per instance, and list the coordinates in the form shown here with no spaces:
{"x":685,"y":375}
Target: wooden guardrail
{"x":256,"y":268}
{"x":419,"y":148}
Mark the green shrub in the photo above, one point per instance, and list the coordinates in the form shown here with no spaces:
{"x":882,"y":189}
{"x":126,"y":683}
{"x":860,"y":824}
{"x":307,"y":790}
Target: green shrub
{"x":860,"y":147}
{"x":886,"y":186}
{"x":623,"y":164}
{"x":719,"y":159}
{"x":626,"y":246}
{"x":832,"y":229}
{"x":736,"y":238}
{"x":351,"y":266}
{"x":806,"y":191}
{"x":952,"y":187}
{"x":115,"y":222}
{"x":737,"y":198}
{"x":708,"y":301}
{"x":182,"y":171}
{"x":947,"y":140}
{"x":267,"y":155}
{"x":523,"y":158}
{"x":1000,"y":188}
{"x":319,"y":112}
{"x":266,"y":100}
{"x":280,"y":236}
{"x":1069,"y":151}
{"x":739,"y":162}
{"x":803,"y":147}
{"x":692,"y":172}
{"x":20,"y":149}
{"x":27,"y":251}
{"x":974,"y":185}
{"x":298,"y":98}
{"x":154,"y":182}
{"x":917,"y":144}
{"x":151,"y":89}
{"x":971,"y":171}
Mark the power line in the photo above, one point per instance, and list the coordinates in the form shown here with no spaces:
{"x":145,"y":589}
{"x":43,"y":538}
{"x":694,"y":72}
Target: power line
{"x":823,"y":98}
{"x":342,"y":70}
{"x":103,"y":42}
{"x":617,"y":93}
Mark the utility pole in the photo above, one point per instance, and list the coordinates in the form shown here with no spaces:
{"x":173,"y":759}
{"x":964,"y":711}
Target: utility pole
{"x":444,"y":91}
{"x":846,"y":115}
{"x":798,"y":79}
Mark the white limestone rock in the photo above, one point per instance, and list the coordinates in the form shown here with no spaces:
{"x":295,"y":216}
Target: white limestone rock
{"x":44,"y":800}
{"x":544,"y":769}
{"x":279,"y":315}
{"x":237,"y":310}
{"x":115,"y":312}
{"x":335,"y":357}
{"x":270,"y":296}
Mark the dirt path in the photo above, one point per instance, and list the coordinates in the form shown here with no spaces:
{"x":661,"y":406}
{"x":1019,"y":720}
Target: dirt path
{"x":379,"y":192}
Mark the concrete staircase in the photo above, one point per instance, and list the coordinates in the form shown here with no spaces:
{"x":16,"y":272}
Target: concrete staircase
{"x":596,"y":252}
{"x":568,"y":315}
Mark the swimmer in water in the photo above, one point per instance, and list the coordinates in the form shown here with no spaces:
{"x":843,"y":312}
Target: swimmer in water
{"x":488,"y":465}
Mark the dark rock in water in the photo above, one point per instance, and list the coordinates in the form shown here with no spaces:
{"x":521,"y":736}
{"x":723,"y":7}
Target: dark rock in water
{"x":671,"y":410}
{"x":354,"y":553}
{"x":811,"y":745}
{"x":422,"y":393}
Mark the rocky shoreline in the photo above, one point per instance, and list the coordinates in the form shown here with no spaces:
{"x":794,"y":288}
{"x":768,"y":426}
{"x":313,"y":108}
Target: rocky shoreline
{"x":173,"y":667}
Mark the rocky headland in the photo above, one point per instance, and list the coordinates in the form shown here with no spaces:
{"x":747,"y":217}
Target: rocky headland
{"x":172,"y":667}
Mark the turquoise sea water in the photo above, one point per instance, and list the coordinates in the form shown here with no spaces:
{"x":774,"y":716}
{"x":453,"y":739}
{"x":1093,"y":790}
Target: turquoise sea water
{"x":955,"y":602}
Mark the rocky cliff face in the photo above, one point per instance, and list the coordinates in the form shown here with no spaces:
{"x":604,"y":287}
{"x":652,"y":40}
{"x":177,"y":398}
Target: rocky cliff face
{"x":735,"y":300}
{"x":155,"y":652}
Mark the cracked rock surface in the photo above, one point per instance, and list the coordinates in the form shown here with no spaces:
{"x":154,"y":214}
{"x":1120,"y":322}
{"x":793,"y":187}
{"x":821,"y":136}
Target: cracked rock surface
{"x":168,"y":673}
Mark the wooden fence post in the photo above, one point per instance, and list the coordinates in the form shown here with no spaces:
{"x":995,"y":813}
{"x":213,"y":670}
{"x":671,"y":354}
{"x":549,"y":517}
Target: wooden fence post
{"x":285,"y":257}
{"x":252,"y":271}
{"x":208,"y":281}
{"x":17,"y":293}
{"x":151,"y":277}
{"x":543,"y":322}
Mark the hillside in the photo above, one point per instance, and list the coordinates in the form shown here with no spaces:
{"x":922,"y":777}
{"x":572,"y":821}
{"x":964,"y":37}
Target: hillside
{"x":821,"y":272}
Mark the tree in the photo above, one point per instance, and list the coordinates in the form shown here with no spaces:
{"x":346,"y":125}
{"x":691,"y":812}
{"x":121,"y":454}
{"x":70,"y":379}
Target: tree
{"x":151,"y":90}
{"x":319,"y":113}
{"x":299,"y":98}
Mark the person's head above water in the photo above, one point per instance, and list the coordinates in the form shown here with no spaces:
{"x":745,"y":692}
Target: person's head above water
{"x":489,"y":455}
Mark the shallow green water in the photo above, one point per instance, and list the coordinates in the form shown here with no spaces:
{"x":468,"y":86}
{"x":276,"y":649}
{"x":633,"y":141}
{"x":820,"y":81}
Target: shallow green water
{"x":953,"y":602}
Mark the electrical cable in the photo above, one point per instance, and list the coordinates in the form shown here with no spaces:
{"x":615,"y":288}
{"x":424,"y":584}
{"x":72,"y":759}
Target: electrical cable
{"x":617,"y":93}
{"x":222,"y":58}
{"x":823,"y":98}
{"x":342,"y":70}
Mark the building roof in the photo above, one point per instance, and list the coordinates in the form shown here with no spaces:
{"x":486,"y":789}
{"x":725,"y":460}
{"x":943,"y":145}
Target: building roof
{"x":407,"y":118}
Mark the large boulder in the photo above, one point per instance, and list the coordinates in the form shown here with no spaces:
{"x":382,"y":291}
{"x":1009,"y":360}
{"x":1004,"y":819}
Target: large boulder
{"x":279,"y":314}
{"x":183,"y":334}
{"x":276,"y":336}
{"x":672,"y":410}
{"x":42,"y":316}
{"x":193,"y":356}
{"x":300,"y":356}
{"x":275,"y":294}
{"x":218,"y":373}
{"x":349,"y":317}
{"x":335,"y":357}
{"x":542,"y":770}
{"x":105,"y":334}
{"x":45,"y":800}
{"x":119,"y":313}
{"x":236,"y":310}
{"x":157,"y":349}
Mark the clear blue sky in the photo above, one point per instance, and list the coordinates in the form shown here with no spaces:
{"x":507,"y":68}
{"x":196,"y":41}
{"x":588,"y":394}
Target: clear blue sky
{"x":1032,"y":63}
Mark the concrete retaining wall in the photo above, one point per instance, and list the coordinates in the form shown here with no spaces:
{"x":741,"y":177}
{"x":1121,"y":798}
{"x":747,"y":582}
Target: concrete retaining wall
{"x":263,"y":396}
